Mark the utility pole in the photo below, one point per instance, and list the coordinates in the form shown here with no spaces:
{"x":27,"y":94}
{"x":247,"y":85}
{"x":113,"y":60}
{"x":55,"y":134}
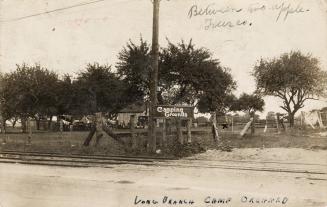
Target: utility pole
{"x":152,"y":140}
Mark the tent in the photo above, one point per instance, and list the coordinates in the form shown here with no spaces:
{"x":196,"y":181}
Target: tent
{"x":312,"y":118}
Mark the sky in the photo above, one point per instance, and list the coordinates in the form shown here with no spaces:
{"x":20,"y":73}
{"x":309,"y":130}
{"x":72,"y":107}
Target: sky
{"x":238,"y":34}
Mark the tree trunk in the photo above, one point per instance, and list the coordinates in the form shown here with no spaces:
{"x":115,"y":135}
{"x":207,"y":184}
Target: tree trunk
{"x":291,"y":119}
{"x":214,"y":127}
{"x":24,"y":127}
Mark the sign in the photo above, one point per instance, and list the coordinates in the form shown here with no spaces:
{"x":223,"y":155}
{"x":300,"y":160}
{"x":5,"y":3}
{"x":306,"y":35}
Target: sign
{"x":166,"y":111}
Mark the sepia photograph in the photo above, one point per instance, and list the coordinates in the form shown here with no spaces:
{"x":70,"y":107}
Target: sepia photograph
{"x":163,"y":103}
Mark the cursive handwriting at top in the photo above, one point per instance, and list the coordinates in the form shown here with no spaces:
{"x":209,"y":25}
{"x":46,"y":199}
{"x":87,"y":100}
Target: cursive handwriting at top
{"x":282,"y":10}
{"x":287,"y":9}
{"x":209,"y":10}
{"x":212,"y":24}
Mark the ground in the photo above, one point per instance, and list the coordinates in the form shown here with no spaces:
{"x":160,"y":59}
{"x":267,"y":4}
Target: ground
{"x":288,"y":166}
{"x":40,"y":186}
{"x":71,"y":142}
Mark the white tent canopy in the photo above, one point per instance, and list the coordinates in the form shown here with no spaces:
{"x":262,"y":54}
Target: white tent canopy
{"x":312,"y":118}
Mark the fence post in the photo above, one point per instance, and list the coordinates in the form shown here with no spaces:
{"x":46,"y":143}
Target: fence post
{"x":29,"y":126}
{"x":3,"y":123}
{"x":232,"y":125}
{"x":179,"y":131}
{"x":277,"y":121}
{"x":189,"y":128}
{"x":61,"y":127}
{"x":133,"y":135}
{"x":164,"y":137}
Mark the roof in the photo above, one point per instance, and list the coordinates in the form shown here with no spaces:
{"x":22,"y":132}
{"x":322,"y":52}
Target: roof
{"x":138,"y":107}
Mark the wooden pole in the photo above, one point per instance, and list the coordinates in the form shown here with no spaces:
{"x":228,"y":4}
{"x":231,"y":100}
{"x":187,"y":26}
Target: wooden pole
{"x":164,"y":136}
{"x":29,"y":137}
{"x":246,"y":127}
{"x":266,"y":126}
{"x":179,"y":131}
{"x":154,"y":77}
{"x":61,"y":127}
{"x":232,"y":124}
{"x":189,"y":128}
{"x":133,"y":134}
{"x":2,"y":122}
{"x":277,"y":122}
{"x":71,"y":131}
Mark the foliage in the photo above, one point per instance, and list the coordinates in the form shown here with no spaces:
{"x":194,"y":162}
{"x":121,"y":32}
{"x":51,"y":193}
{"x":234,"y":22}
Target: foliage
{"x":133,"y":67}
{"x":187,"y":149}
{"x":196,"y":74}
{"x":186,"y":74}
{"x":99,"y":89}
{"x":249,"y":103}
{"x":29,"y":91}
{"x":65,"y":93}
{"x":214,"y":102}
{"x":293,"y":77}
{"x":34,"y":91}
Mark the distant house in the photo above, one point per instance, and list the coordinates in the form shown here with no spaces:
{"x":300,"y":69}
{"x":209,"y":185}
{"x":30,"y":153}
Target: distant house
{"x":139,"y":109}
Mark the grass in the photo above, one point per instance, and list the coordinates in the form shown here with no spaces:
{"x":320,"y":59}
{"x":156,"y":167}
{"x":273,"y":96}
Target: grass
{"x":71,"y":142}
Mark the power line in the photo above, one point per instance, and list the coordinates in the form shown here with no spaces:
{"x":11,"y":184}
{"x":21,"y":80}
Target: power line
{"x":52,"y":11}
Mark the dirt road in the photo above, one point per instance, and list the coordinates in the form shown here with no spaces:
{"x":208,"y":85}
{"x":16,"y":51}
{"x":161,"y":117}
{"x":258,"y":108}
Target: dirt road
{"x":130,"y":185}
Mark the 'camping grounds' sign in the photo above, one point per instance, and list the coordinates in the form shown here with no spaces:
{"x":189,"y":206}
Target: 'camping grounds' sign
{"x":166,"y":111}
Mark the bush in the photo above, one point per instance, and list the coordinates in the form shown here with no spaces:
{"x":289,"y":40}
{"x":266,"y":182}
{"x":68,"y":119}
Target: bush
{"x":184,"y":150}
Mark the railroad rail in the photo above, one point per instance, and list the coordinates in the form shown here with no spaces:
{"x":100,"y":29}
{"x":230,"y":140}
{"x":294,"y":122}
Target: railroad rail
{"x":110,"y":161}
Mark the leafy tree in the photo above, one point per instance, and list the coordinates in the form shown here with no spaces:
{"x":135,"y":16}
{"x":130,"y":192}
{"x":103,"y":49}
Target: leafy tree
{"x":99,"y":90}
{"x":2,"y":109}
{"x":250,"y":104}
{"x":213,"y":102}
{"x":65,"y":93}
{"x":293,"y":77}
{"x":29,"y":91}
{"x":190,"y":74}
{"x":133,"y":67}
{"x":186,"y":74}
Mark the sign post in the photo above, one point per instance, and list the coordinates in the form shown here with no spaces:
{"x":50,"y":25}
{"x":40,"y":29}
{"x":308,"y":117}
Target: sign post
{"x":177,"y":113}
{"x":168,"y":111}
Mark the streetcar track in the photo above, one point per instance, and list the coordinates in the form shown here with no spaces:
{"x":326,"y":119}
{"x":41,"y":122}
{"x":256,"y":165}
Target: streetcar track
{"x":96,"y":161}
{"x":151,"y":159}
{"x":96,"y":157}
{"x":260,"y":162}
